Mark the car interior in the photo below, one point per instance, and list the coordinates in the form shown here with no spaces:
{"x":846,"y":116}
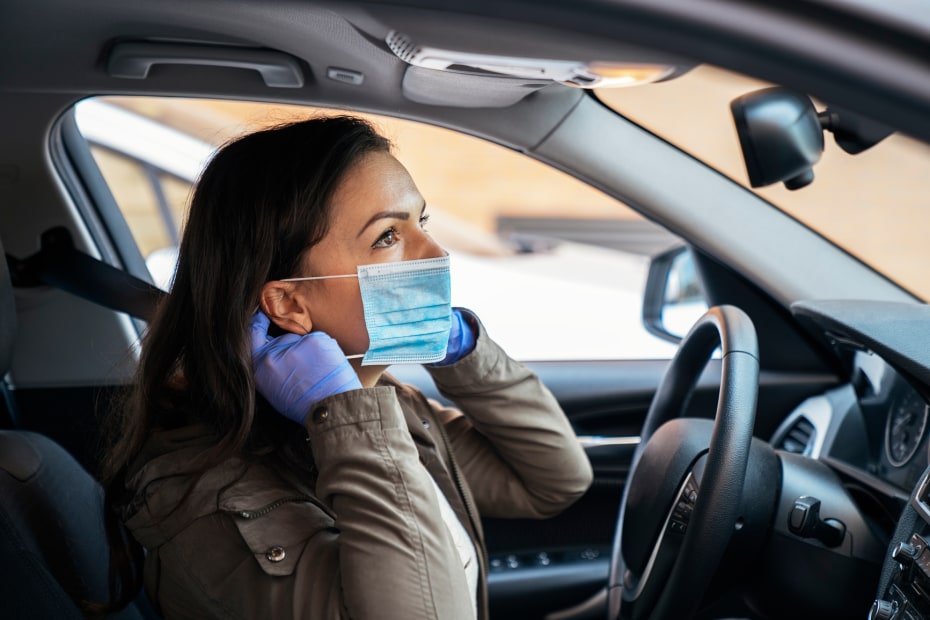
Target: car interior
{"x":770,"y":461}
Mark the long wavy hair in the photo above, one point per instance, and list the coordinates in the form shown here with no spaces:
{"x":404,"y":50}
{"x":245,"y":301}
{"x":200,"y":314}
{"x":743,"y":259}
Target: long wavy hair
{"x":263,"y":200}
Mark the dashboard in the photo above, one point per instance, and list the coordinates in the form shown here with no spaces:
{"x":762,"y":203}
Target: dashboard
{"x":904,"y":455}
{"x":905,"y":427}
{"x":879,"y":422}
{"x":874,"y":432}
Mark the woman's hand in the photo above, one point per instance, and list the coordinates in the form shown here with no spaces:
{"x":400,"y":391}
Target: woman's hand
{"x":293,"y":372}
{"x":462,"y":337}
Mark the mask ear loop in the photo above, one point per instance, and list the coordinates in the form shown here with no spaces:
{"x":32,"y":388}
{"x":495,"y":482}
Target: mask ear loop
{"x":349,"y":275}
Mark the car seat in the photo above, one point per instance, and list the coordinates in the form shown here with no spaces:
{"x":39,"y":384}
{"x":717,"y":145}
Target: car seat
{"x":53,"y":548}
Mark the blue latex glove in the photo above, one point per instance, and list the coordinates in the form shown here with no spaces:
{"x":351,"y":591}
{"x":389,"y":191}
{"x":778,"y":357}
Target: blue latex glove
{"x":462,"y":339}
{"x":293,"y":372}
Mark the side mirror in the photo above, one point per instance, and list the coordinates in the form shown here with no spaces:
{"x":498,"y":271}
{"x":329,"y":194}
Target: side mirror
{"x":674,"y":297}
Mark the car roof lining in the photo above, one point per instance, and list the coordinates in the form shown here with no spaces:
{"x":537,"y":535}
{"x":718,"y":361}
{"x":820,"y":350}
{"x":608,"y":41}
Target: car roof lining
{"x":513,"y":37}
{"x":319,"y":37}
{"x":73,"y":59}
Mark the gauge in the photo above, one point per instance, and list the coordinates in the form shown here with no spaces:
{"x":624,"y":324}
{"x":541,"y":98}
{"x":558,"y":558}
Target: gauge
{"x":907,"y":422}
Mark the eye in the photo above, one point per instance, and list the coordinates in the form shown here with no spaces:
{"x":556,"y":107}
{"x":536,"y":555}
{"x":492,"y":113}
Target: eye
{"x":387,"y":238}
{"x":423,"y":220}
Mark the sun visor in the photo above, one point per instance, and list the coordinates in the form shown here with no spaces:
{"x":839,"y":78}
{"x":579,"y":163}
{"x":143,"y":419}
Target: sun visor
{"x":465,"y":90}
{"x":458,"y":59}
{"x":581,"y":74}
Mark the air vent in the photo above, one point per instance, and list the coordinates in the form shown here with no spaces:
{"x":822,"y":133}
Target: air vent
{"x":799,"y":438}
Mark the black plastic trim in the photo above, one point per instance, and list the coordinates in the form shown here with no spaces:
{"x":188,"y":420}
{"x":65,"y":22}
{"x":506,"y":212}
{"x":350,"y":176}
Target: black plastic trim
{"x":93,"y":198}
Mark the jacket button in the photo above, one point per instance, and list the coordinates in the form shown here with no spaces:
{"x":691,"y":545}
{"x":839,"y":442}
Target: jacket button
{"x":320,"y":414}
{"x":275,"y":554}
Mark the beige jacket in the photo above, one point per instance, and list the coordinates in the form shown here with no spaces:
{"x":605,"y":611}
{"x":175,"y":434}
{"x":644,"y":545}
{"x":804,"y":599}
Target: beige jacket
{"x":369,"y":540}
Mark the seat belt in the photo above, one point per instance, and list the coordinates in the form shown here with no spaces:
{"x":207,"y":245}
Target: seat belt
{"x":60,"y":265}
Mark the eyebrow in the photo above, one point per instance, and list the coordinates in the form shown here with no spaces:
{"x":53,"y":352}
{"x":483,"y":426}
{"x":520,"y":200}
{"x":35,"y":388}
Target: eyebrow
{"x":383,"y":215}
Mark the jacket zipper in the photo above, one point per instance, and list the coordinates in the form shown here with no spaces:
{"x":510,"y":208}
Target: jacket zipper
{"x":261,"y":512}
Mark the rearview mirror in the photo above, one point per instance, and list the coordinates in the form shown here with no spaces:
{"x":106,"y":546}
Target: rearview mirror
{"x":780,"y":135}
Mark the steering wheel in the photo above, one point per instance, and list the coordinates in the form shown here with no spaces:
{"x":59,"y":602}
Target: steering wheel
{"x":682,"y":499}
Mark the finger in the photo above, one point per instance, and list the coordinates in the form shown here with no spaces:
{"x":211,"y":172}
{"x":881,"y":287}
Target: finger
{"x":258,"y":331}
{"x":324,"y":342}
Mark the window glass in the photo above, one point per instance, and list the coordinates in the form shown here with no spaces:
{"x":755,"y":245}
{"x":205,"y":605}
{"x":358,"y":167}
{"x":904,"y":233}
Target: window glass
{"x":872,"y":204}
{"x":530,"y":245}
{"x":135,"y":194}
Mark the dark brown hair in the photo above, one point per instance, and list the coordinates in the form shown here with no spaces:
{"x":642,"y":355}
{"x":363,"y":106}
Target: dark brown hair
{"x":261,"y":202}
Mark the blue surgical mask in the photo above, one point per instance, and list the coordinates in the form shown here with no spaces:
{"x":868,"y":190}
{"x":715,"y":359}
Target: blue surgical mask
{"x":408,"y":310}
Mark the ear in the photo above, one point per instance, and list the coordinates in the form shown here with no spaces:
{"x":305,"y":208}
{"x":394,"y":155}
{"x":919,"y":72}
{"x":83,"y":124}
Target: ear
{"x":286,"y":308}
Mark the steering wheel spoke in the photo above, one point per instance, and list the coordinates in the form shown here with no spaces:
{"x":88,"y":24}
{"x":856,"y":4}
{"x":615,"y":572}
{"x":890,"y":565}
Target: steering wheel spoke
{"x":683,"y":499}
{"x":671,"y":536}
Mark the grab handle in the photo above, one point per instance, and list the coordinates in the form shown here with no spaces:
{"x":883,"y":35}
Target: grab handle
{"x":133,"y":60}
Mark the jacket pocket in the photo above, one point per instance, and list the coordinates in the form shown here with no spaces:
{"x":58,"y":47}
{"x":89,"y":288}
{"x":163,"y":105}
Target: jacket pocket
{"x":277,"y":532}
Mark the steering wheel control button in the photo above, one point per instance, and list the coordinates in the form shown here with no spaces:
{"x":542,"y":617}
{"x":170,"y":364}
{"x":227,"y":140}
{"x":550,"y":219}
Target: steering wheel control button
{"x":804,"y":520}
{"x":320,"y":415}
{"x":684,"y":506}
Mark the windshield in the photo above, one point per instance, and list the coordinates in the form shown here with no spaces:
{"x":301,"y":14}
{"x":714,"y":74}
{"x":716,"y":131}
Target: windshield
{"x":874,"y":204}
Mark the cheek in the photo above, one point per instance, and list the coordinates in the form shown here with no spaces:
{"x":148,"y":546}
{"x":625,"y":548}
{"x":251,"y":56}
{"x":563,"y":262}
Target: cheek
{"x":342,"y":317}
{"x":355,"y":337}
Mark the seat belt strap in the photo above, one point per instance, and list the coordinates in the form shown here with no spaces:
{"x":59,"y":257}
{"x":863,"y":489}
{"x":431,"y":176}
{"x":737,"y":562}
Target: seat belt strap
{"x":60,"y":265}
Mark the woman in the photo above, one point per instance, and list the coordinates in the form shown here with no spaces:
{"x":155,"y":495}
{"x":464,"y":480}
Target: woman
{"x":265,"y":460}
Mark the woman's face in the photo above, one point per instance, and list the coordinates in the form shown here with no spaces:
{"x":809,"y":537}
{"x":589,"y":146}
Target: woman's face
{"x":377,"y":215}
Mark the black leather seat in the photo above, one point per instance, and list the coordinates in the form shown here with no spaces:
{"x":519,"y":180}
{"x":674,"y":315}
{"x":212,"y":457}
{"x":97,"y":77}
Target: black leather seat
{"x":53,"y":549}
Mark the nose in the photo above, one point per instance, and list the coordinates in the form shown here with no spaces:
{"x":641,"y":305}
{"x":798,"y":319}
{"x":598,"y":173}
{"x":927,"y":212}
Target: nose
{"x":428,"y":248}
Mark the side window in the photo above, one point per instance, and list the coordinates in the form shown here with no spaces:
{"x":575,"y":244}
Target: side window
{"x":555,"y":269}
{"x":153,"y":203}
